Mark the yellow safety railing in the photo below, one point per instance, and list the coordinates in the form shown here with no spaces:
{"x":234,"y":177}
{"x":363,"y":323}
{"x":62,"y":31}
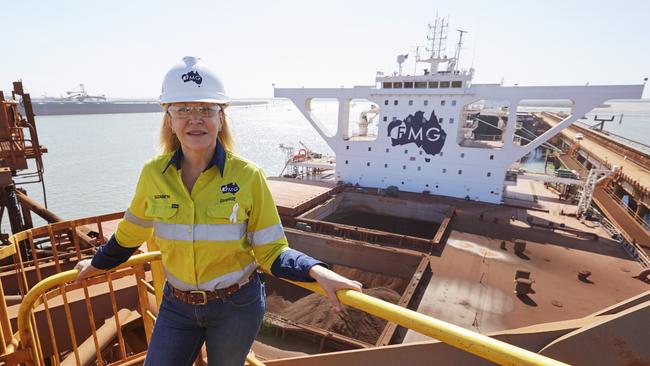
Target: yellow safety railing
{"x":453,"y":335}
{"x":25,"y":322}
{"x":469,"y":341}
{"x":31,"y":343}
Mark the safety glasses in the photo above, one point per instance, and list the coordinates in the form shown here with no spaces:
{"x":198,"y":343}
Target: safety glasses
{"x":186,"y":111}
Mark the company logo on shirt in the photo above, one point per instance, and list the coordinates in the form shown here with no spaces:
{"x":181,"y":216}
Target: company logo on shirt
{"x":192,"y":76}
{"x":426,"y":134}
{"x":230,"y":188}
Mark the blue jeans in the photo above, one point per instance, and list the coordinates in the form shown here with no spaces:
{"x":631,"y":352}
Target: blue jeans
{"x":228,"y":327}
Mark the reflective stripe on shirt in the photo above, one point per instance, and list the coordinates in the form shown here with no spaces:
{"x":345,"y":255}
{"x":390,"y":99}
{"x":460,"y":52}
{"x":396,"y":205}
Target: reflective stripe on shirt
{"x":223,"y":281}
{"x":128,"y":216}
{"x":207,"y":232}
{"x":266,"y":235}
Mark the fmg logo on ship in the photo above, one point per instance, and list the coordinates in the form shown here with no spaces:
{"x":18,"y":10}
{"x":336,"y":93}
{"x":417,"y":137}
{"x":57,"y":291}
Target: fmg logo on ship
{"x":415,"y":129}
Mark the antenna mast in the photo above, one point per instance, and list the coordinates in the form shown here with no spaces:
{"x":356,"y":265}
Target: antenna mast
{"x":417,"y":56}
{"x":438,"y":38}
{"x":458,"y":47}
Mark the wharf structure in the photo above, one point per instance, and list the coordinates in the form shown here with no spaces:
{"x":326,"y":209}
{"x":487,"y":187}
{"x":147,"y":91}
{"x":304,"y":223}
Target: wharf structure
{"x":595,"y":150}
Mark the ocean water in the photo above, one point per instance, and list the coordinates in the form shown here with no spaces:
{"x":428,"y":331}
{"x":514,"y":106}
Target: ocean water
{"x":635,"y":123}
{"x":94,"y":160}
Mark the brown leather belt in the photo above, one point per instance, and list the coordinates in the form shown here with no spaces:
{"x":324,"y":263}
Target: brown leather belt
{"x":200,"y":297}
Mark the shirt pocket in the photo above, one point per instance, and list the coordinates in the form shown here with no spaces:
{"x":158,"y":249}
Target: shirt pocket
{"x":165,"y":227}
{"x":227,"y":213}
{"x":160,"y":211}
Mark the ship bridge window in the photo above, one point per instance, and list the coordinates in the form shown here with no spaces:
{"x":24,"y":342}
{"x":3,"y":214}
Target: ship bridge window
{"x":444,"y":84}
{"x":420,"y":85}
{"x":395,"y":102}
{"x":489,"y":120}
{"x":426,"y":102}
{"x":442,"y":102}
{"x":433,"y":84}
{"x":408,"y":84}
{"x":457,"y":84}
{"x":388,"y":85}
{"x":410,"y":102}
{"x":397,"y":85}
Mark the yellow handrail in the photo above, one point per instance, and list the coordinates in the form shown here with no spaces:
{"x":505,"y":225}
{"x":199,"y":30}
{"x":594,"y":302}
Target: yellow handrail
{"x":467,"y":340}
{"x":25,"y":309}
{"x":472,"y":342}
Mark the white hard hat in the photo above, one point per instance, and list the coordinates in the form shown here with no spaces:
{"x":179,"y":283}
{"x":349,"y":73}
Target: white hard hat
{"x":192,"y":81}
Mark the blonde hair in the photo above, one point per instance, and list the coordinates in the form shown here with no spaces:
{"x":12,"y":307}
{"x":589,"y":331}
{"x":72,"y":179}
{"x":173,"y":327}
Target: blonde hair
{"x":169,"y":142}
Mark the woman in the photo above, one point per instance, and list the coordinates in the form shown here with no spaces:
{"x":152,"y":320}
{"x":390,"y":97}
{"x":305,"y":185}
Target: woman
{"x":215,"y":221}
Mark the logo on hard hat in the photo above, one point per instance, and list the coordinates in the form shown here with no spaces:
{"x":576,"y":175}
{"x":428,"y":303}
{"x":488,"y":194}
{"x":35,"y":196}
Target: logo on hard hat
{"x":230,"y":188}
{"x":192,"y":76}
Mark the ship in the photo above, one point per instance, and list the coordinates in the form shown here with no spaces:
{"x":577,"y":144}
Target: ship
{"x":465,"y":258}
{"x":79,"y":101}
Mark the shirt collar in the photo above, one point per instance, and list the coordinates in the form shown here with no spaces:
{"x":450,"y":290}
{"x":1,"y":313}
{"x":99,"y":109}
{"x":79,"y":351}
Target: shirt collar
{"x":218,"y":159}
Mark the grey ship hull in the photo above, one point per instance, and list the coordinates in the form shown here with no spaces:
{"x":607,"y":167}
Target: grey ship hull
{"x":53,"y":108}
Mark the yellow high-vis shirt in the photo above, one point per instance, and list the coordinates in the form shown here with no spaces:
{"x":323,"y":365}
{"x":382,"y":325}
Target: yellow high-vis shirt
{"x":212,"y":237}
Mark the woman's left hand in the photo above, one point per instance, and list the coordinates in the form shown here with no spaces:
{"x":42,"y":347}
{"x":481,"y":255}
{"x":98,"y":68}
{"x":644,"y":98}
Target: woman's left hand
{"x":331,"y":282}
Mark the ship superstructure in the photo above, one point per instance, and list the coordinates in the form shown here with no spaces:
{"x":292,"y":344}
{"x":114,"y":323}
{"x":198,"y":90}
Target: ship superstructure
{"x":426,"y":139}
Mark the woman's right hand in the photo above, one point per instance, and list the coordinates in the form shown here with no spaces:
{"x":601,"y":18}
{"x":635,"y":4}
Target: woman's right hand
{"x":86,"y":269}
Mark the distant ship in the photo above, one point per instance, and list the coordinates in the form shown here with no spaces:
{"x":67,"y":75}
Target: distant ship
{"x":79,"y":101}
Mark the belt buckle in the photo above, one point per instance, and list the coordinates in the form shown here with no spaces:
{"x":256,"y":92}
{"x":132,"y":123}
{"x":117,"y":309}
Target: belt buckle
{"x":203,"y":293}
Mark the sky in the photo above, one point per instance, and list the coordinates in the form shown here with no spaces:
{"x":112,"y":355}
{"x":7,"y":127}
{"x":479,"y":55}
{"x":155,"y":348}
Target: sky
{"x":124,"y":48}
